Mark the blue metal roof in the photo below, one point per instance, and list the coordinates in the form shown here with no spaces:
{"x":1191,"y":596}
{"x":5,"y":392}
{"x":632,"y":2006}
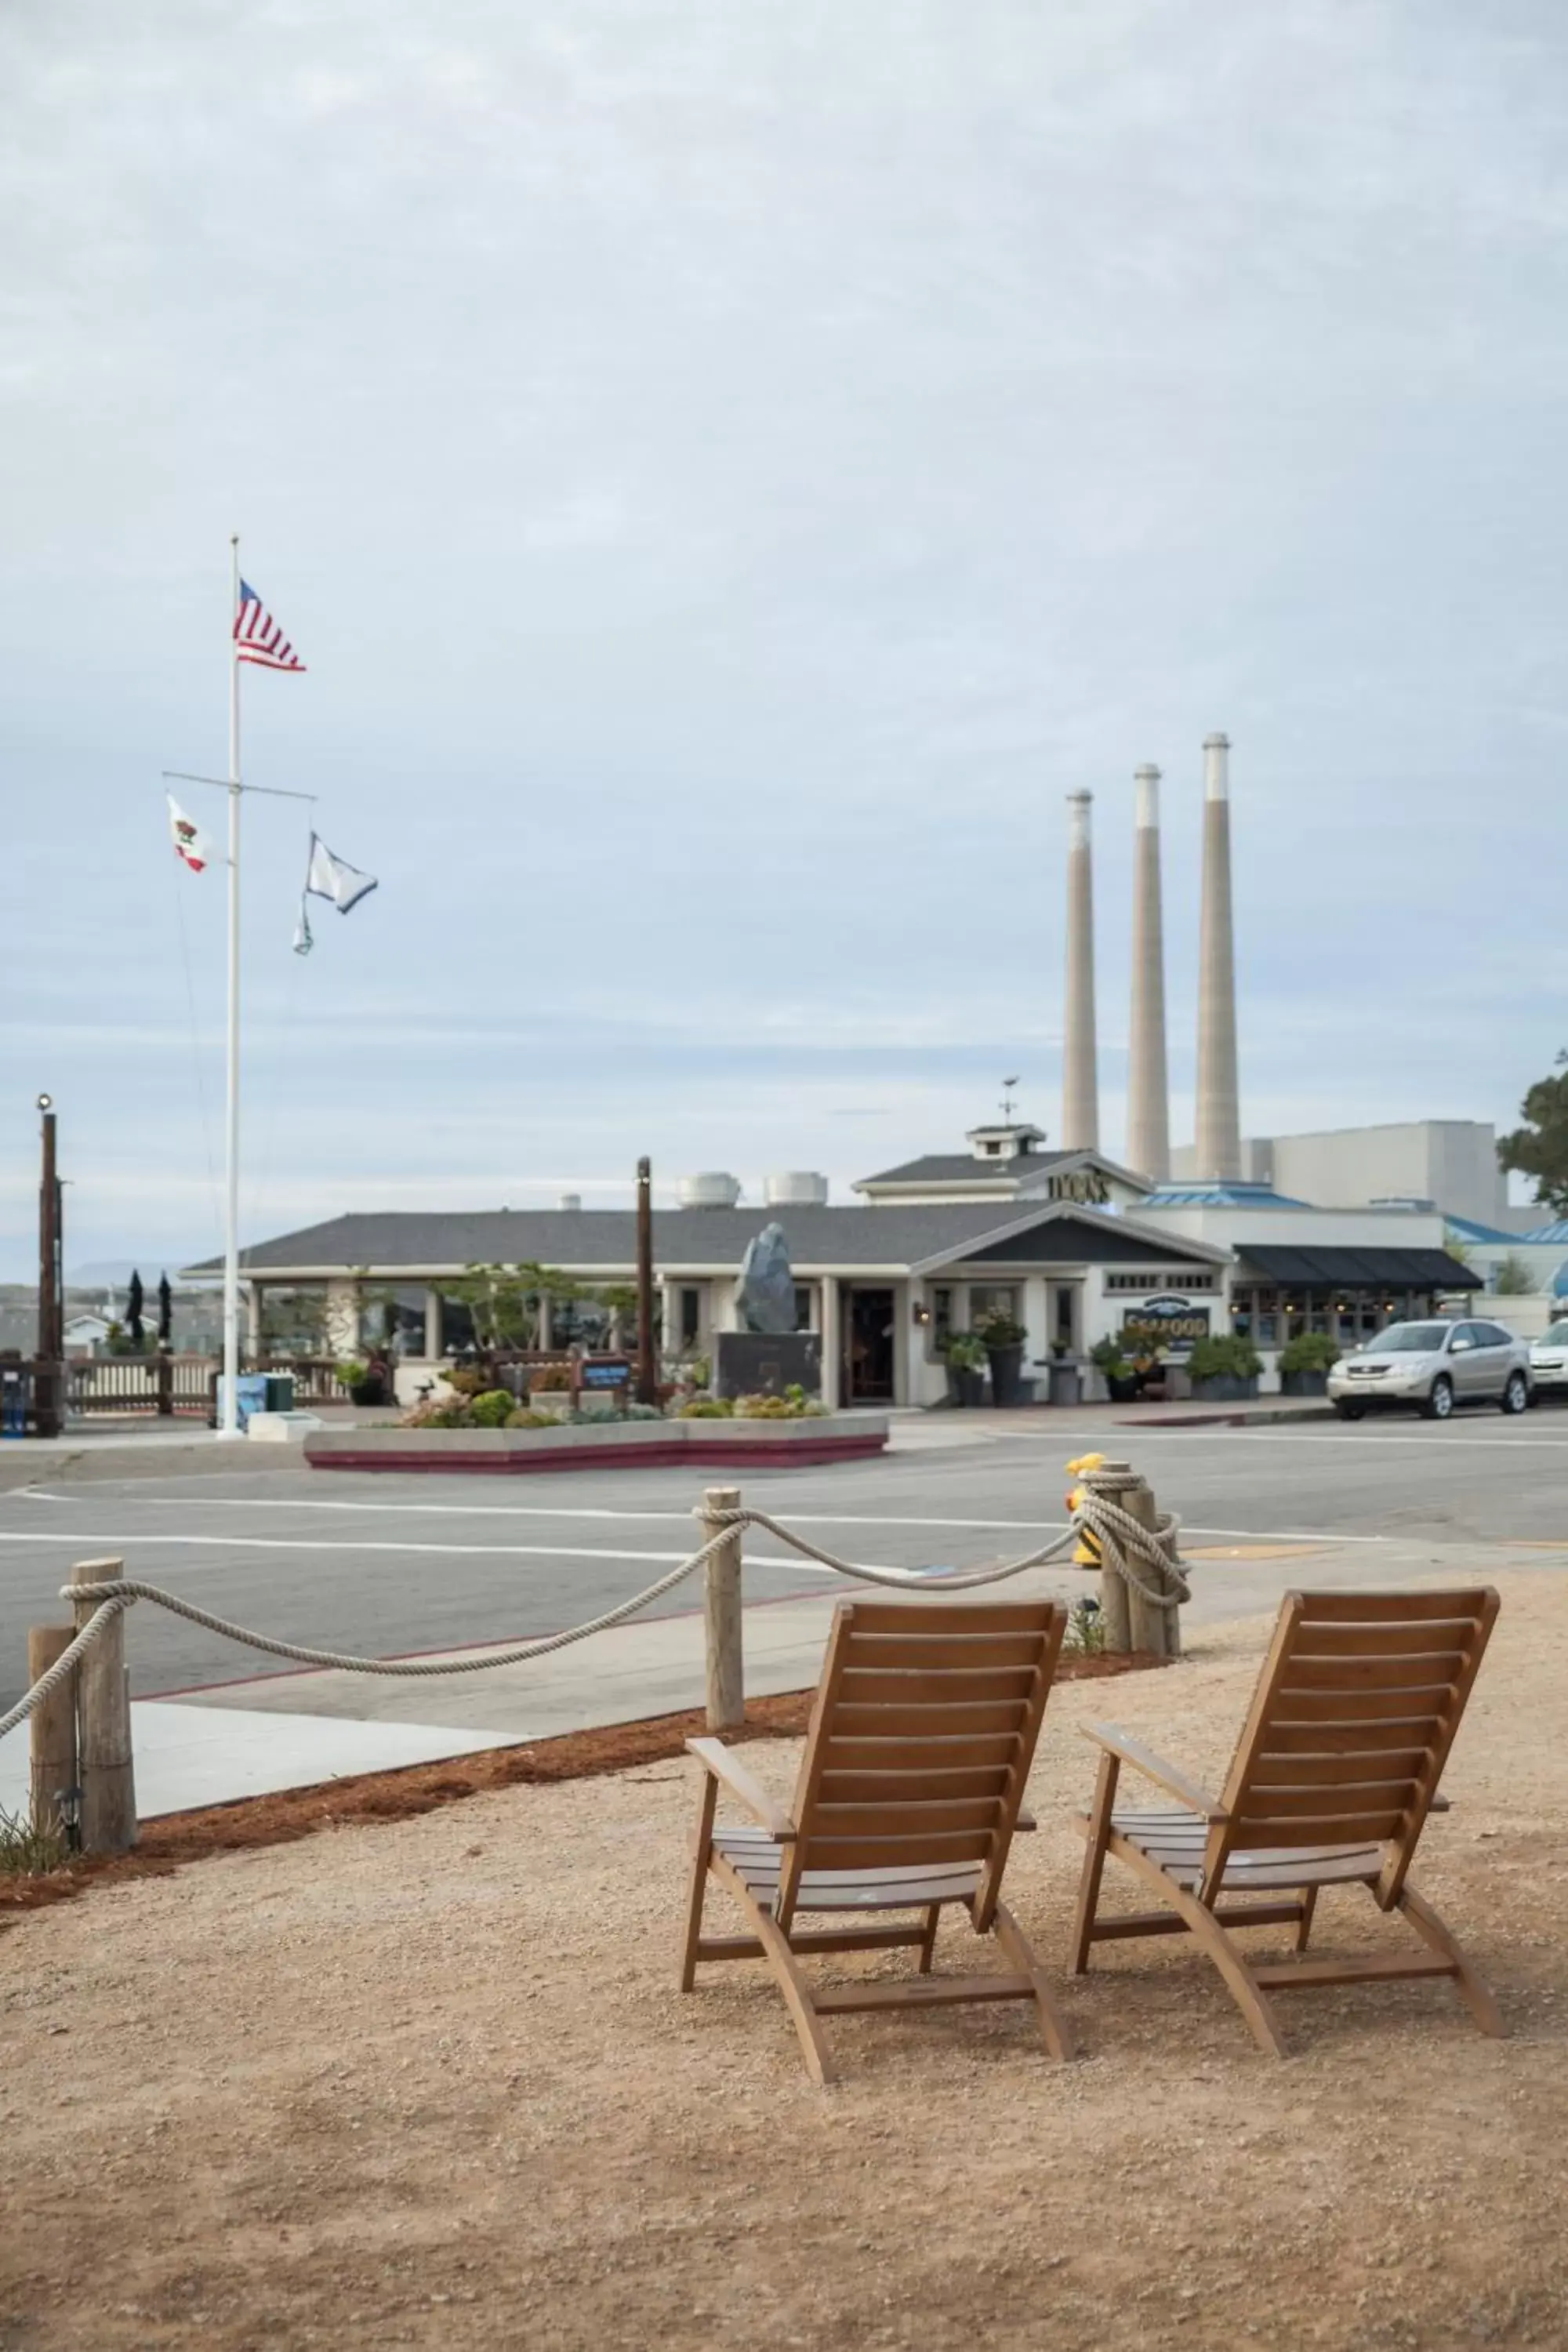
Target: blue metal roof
{"x":1467,"y":1229}
{"x":1230,"y":1193}
{"x":1555,"y":1232}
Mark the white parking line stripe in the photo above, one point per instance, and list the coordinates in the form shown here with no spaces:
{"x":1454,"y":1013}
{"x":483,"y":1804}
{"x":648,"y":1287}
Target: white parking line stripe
{"x":439,"y":1550}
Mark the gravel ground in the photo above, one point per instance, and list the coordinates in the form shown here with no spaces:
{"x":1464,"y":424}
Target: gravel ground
{"x":431,"y":2084}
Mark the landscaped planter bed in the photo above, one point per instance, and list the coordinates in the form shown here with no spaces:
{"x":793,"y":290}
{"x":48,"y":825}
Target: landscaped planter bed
{"x":604,"y":1445}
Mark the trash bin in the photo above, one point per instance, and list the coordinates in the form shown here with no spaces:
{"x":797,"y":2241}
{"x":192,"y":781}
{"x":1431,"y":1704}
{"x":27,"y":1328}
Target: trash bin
{"x":279,"y":1392}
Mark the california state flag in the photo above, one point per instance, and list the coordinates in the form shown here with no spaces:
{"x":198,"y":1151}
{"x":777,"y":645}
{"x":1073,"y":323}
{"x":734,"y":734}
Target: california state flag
{"x":191,"y":842}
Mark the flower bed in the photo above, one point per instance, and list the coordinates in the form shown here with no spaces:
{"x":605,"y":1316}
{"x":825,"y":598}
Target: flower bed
{"x":595,"y":1444}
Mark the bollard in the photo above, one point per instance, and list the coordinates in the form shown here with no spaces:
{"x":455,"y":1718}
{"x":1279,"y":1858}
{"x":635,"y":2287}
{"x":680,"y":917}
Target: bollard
{"x":52,"y":1732}
{"x":1155,"y":1630}
{"x":721,"y":1614}
{"x":103,"y":1719}
{"x":1115,"y":1481}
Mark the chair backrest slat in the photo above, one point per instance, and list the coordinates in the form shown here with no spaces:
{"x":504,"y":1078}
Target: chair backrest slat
{"x":921,"y":1737}
{"x":1355,"y":1711}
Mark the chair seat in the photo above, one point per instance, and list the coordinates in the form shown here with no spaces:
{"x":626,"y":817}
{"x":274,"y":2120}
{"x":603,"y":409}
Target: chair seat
{"x":757,"y":1857}
{"x":1174,"y":1838}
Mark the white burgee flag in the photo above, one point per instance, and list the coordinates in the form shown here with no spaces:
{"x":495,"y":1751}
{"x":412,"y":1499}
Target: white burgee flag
{"x":327,"y":877}
{"x":192,"y":846}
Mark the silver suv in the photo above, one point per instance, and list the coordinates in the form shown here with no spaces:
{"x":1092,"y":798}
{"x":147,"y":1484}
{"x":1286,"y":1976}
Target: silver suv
{"x":1433,"y":1367}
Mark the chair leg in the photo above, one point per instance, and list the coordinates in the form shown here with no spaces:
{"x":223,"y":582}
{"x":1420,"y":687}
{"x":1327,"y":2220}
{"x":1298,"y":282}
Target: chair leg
{"x":1053,"y":2025}
{"x":1098,"y":1839}
{"x":927,"y":1944}
{"x":1432,"y":1929}
{"x":1304,"y":1925}
{"x":701,"y":1854}
{"x":1247,"y":1995}
{"x":797,"y":1992}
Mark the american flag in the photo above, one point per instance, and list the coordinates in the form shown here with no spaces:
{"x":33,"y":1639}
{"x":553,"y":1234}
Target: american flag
{"x":258,"y":637}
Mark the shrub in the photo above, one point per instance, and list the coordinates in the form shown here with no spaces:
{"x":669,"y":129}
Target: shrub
{"x":1085,"y":1635}
{"x":520,"y":1417}
{"x":27,"y":1853}
{"x":468,"y":1380}
{"x":491,"y":1408}
{"x":549,"y":1381}
{"x":430,"y":1414}
{"x":1310,"y":1351}
{"x":351,"y":1371}
{"x":644,"y":1413}
{"x":1227,"y":1356}
{"x":999,"y":1330}
{"x":965,"y":1351}
{"x":707,"y":1409}
{"x":1106,"y":1356}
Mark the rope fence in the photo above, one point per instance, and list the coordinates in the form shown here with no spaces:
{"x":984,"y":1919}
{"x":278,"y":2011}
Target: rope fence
{"x":1136,"y":1553}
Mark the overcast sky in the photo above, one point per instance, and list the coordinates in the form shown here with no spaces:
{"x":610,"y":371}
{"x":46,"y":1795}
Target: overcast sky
{"x":732,"y":470}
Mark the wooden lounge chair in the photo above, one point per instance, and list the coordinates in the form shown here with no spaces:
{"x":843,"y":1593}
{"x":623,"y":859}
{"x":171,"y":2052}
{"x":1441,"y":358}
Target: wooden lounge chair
{"x":920,"y":1742}
{"x":1334,"y":1775}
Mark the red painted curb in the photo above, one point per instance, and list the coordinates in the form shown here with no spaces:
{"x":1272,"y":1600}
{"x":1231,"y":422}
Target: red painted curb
{"x":748,"y":1453}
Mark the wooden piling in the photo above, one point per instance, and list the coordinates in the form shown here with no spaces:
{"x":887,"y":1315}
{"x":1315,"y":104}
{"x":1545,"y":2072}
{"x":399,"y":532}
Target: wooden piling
{"x":108,"y":1813}
{"x":721,"y":1614}
{"x":52,"y":1731}
{"x":1153,"y":1629}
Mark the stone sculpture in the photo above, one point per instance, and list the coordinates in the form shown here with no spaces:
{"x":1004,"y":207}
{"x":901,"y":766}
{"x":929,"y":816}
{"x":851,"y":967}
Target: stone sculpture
{"x":766,"y":1293}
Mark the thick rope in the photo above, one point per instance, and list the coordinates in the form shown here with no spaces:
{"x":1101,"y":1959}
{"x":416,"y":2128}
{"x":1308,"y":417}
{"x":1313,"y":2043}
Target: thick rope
{"x":1121,"y":1539}
{"x":67,"y":1660}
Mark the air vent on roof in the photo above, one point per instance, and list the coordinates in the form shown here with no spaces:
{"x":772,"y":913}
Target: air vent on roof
{"x":794,"y":1187}
{"x":570,"y":1201}
{"x":712,"y":1189}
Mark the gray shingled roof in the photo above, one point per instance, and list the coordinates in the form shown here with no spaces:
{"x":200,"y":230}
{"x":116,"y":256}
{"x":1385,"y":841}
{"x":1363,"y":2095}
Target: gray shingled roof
{"x":962,"y":1168}
{"x":909,"y":1235}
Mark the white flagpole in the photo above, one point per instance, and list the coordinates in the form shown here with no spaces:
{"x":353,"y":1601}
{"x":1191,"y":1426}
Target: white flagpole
{"x":229,"y":1423}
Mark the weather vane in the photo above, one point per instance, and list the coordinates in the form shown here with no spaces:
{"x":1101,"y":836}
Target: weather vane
{"x":1007,"y":1087}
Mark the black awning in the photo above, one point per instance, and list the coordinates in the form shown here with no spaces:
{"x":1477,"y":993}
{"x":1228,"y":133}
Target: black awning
{"x":1356,"y":1269}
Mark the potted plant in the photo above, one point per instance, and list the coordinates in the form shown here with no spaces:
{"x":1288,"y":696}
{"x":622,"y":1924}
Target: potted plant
{"x":1003,"y":1335}
{"x":1224,"y":1369}
{"x":365,"y":1384}
{"x":1120,"y":1376}
{"x":965,"y":1357}
{"x":1305,"y":1363}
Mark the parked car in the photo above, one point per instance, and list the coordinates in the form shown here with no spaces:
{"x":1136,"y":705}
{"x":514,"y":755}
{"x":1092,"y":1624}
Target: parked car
{"x":1548,"y":1360}
{"x":1432,"y":1367}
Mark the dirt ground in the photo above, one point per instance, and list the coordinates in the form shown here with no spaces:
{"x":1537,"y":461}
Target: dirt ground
{"x":430,"y":2082}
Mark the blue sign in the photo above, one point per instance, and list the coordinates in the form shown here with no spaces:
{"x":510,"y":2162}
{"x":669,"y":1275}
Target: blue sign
{"x":1168,"y":1321}
{"x":617,"y":1375}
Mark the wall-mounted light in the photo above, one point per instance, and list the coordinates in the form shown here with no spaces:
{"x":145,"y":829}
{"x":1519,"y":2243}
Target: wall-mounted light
{"x":923,"y":1312}
{"x":46,"y":1102}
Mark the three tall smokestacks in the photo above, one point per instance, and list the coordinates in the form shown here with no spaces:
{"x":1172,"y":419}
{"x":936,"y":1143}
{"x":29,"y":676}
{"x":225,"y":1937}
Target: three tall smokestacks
{"x":1218,"y":1154}
{"x":1081,"y":1069}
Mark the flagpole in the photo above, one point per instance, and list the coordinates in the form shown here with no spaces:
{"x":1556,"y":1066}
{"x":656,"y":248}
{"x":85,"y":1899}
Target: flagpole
{"x":229,"y":1420}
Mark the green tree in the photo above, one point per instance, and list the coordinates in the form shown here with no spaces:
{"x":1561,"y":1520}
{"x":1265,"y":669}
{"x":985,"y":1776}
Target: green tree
{"x":504,"y":1300}
{"x":1540,"y":1148}
{"x":1512,"y":1278}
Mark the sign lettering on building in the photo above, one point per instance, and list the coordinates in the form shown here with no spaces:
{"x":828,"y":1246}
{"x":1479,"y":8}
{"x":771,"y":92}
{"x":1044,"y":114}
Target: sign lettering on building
{"x":1166,"y":1322}
{"x":1083,"y":1184}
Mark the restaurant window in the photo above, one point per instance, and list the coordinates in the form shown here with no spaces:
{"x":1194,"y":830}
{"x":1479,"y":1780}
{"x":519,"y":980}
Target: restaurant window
{"x":941,"y":1320}
{"x":803,"y":1306}
{"x":688,"y":1316}
{"x":1266,"y":1318}
{"x":992,"y":1298}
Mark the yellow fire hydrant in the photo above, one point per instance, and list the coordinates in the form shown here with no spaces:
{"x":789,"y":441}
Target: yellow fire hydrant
{"x":1085,"y":1552}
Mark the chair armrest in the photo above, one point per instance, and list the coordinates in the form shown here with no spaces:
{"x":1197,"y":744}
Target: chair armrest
{"x":731,"y":1773}
{"x":1169,"y":1777}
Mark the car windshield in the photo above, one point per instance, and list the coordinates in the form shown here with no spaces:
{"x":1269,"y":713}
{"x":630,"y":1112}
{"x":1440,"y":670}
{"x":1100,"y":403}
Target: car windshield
{"x":1409,"y":1339}
{"x":1555,"y":1336}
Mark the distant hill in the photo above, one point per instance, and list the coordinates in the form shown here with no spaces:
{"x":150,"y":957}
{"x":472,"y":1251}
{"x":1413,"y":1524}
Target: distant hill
{"x":118,"y":1271}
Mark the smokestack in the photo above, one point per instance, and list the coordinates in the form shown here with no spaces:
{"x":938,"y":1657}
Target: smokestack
{"x":1081,"y":1076}
{"x":1148,"y":1111}
{"x":1218,"y":1106}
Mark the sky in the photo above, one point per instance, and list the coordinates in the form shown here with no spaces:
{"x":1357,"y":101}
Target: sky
{"x":730,"y":471}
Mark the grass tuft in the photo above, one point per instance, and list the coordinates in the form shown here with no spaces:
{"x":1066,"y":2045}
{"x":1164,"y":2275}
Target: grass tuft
{"x":27,"y":1853}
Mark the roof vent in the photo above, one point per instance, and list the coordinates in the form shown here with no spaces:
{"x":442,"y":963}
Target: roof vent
{"x":796,"y":1188}
{"x":570,"y":1201}
{"x":712,"y":1189}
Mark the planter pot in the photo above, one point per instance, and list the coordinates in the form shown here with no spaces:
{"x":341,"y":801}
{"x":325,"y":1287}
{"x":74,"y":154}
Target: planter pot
{"x":1303,"y":1384}
{"x":368,"y":1393}
{"x":1066,"y":1384}
{"x":1225,"y":1388}
{"x":965,"y":1386}
{"x":1007,"y":1374}
{"x":1122,"y":1391}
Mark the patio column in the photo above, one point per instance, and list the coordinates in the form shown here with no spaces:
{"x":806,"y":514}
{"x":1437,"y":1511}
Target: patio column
{"x":830,"y":1342}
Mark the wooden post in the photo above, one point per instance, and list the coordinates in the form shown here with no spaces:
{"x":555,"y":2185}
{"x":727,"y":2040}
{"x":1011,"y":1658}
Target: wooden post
{"x":165,"y":1378}
{"x":1114,"y":1480}
{"x":648,"y":1339}
{"x":103,"y":1717}
{"x":721,"y":1614}
{"x":52,"y":1729}
{"x":1153,"y":1629}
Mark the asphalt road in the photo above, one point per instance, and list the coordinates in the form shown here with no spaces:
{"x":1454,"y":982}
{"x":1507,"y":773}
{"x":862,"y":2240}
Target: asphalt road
{"x":392,"y":1566}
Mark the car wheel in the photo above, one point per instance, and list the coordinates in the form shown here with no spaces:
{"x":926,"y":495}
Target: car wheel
{"x":1516,"y":1395}
{"x":1439,"y":1403}
{"x":1349,"y":1412}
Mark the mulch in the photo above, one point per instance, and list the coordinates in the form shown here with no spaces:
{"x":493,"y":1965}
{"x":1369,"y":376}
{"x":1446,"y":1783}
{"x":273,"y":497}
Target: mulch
{"x":173,"y":1840}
